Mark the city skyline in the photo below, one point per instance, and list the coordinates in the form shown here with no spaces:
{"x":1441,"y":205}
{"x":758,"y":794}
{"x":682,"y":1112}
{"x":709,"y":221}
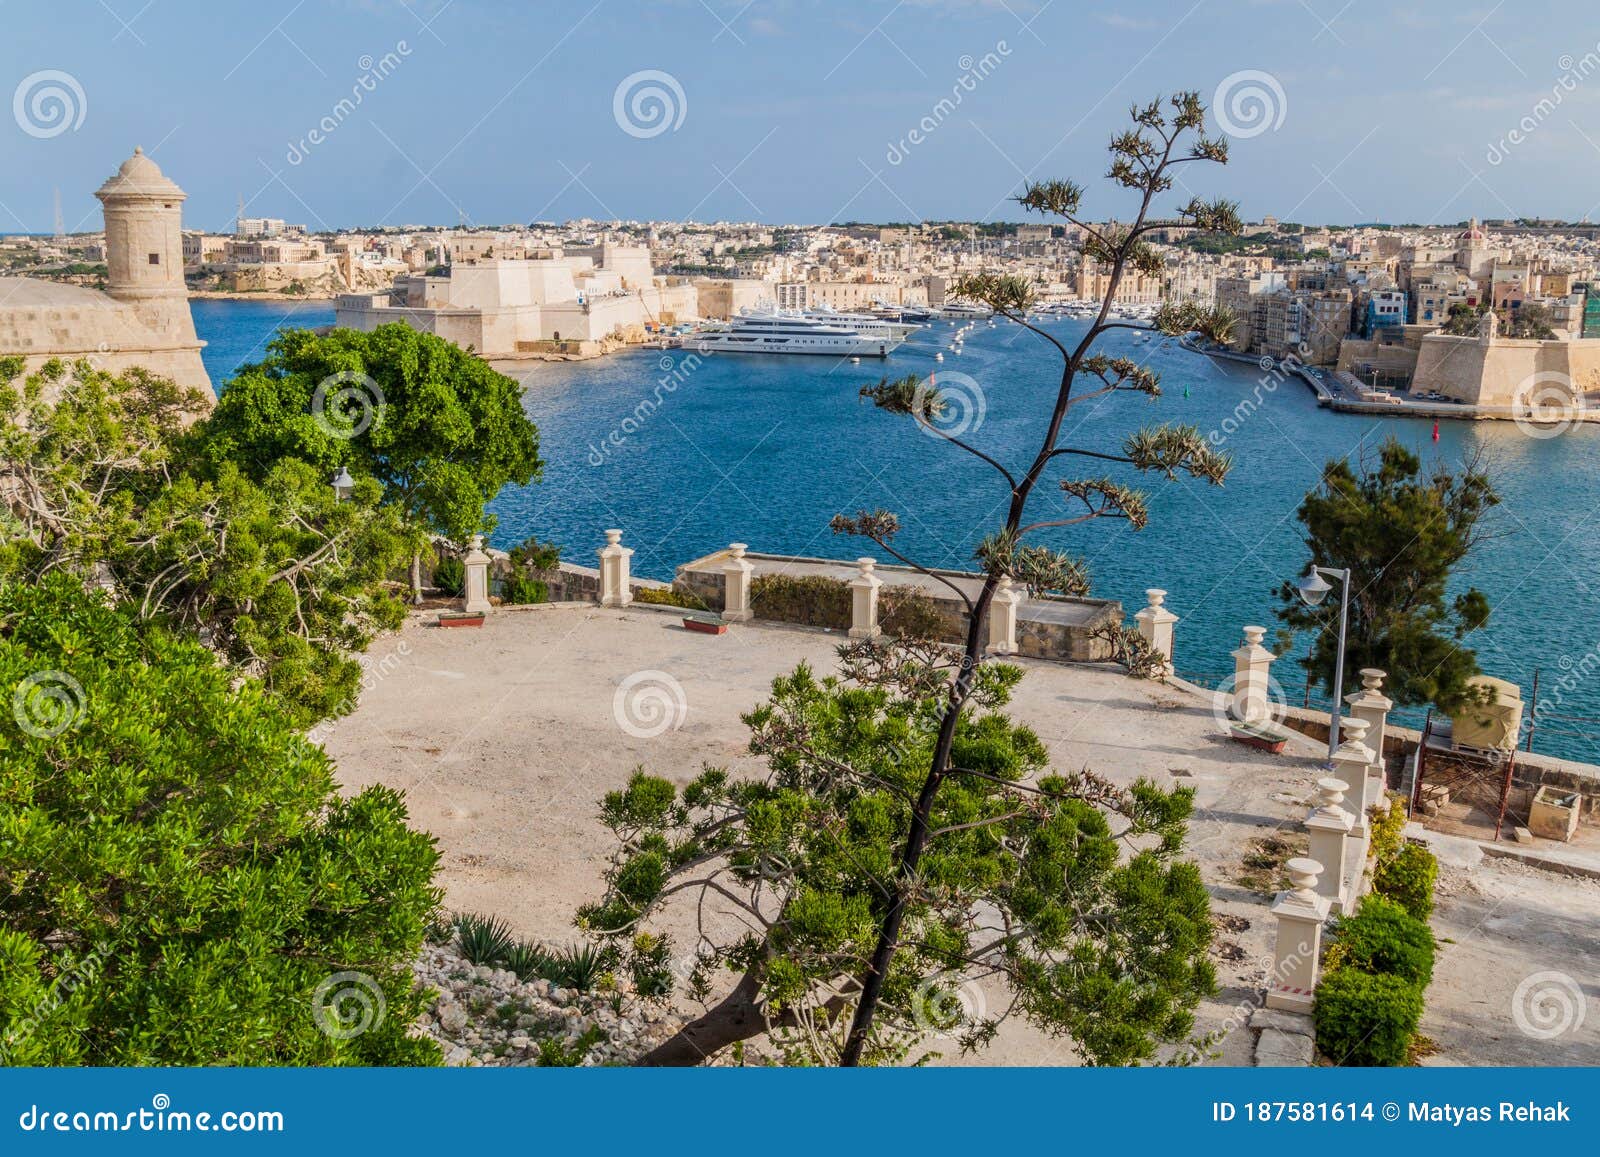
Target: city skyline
{"x":396,"y":113}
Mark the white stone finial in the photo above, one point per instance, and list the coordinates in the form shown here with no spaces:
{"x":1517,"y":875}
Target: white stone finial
{"x":1372,"y":678}
{"x":1303,"y":874}
{"x":1331,"y":792}
{"x":1155,"y":596}
{"x":1254,"y":635}
{"x":737,"y":549}
{"x":1353,"y":730}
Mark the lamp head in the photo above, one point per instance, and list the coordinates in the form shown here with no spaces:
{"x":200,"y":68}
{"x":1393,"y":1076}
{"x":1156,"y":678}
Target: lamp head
{"x":343,"y":485}
{"x":1313,"y":588}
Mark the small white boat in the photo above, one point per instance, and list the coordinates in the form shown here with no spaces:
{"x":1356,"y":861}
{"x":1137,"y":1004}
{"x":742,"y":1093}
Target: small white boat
{"x":938,"y":357}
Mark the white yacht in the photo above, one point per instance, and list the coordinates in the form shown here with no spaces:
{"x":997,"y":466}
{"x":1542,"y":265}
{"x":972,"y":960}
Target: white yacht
{"x":864,"y":323}
{"x":797,"y":333}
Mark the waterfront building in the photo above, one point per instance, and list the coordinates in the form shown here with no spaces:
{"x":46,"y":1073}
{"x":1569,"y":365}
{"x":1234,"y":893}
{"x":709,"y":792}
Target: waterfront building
{"x":142,"y":318}
{"x":506,"y":307}
{"x":1384,"y":308}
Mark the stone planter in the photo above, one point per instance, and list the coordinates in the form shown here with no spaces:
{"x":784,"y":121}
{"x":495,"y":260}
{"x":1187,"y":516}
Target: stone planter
{"x":1553,"y":814}
{"x":704,"y":626}
{"x":461,"y":619}
{"x":1263,"y":738}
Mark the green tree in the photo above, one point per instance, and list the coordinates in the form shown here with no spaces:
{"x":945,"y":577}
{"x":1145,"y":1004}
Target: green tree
{"x":439,"y":429}
{"x":1025,"y":888}
{"x":1401,"y":533}
{"x":182,"y":881}
{"x":1145,"y":159}
{"x":279,"y":577}
{"x":937,"y":818}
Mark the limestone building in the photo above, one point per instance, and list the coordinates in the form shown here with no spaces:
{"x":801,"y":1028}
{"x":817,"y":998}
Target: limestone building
{"x":506,"y":307}
{"x":142,"y":318}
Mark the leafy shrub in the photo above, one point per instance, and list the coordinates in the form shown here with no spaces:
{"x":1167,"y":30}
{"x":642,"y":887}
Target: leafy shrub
{"x":809,"y":600}
{"x":539,"y":557}
{"x":1388,"y":830}
{"x":1382,"y":937}
{"x":1363,"y":1019}
{"x":669,"y":597}
{"x":185,"y":883}
{"x":554,"y":1053}
{"x":519,"y":590}
{"x":908,"y":613}
{"x":450,"y":576}
{"x":1408,"y":880}
{"x":484,"y":939}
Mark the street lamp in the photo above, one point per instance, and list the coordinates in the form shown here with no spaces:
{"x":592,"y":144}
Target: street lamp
{"x":1313,"y":589}
{"x":343,"y":485}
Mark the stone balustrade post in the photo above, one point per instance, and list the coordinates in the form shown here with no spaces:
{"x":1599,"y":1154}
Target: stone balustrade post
{"x":736,"y":574}
{"x":1297,"y":951}
{"x":615,"y":589}
{"x":476,"y":599}
{"x":1329,"y":826}
{"x":1352,"y":764}
{"x":1252,"y":679}
{"x":864,"y":601}
{"x":1155,"y":627}
{"x":1003,"y":618}
{"x":1373,"y":706}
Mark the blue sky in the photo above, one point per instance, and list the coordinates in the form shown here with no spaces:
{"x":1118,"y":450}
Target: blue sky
{"x":786,"y":110}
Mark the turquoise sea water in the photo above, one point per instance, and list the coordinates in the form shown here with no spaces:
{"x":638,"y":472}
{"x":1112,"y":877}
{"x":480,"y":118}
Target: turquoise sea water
{"x":766,"y":451}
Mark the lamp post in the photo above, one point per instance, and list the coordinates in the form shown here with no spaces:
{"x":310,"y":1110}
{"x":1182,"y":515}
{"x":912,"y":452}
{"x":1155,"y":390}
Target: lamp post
{"x":1313,"y":589}
{"x":343,"y":485}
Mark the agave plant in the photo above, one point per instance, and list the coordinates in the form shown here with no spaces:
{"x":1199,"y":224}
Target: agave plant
{"x":484,"y":939}
{"x":579,"y":967}
{"x":528,"y":960}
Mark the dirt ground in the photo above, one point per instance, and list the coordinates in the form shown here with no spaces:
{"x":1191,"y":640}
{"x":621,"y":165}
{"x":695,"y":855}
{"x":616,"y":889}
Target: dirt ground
{"x":1517,"y":975}
{"x":505,"y":738}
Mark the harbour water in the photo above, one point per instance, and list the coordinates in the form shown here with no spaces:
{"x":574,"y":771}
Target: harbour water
{"x":688,"y":453}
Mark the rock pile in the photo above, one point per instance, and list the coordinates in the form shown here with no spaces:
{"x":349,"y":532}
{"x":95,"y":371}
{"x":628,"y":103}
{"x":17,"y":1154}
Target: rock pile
{"x":487,"y":1016}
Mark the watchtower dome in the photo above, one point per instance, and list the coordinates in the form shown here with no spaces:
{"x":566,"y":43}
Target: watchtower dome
{"x":144,"y":232}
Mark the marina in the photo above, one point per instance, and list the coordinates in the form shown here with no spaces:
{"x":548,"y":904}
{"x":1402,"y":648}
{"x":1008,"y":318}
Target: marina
{"x":776,"y":446}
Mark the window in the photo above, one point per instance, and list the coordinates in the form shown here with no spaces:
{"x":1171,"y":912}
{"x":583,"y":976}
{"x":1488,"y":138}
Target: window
{"x":155,"y":259}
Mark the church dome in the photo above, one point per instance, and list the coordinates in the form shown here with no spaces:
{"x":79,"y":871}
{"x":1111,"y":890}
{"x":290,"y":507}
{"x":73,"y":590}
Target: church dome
{"x":1472,"y":232}
{"x":139,"y":176}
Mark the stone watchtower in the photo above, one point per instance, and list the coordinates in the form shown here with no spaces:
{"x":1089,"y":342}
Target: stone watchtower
{"x":144,"y":233}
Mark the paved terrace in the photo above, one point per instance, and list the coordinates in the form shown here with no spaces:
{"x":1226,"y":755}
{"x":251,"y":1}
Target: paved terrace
{"x":505,"y":738}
